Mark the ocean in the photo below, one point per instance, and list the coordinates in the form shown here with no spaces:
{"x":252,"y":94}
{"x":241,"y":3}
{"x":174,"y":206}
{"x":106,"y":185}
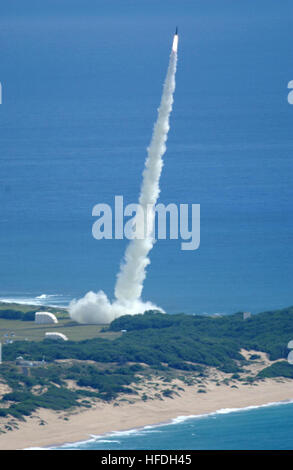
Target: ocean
{"x":81,"y":84}
{"x":80,"y":90}
{"x":254,"y":428}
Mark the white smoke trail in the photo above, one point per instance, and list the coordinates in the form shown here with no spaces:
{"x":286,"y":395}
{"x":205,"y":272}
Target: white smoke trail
{"x":133,"y":272}
{"x":96,"y":308}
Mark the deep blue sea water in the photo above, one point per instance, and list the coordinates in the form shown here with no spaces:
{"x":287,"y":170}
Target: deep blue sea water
{"x":264,"y":428}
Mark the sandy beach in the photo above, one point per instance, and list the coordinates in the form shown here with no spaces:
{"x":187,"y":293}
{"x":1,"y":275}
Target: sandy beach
{"x":103,"y":418}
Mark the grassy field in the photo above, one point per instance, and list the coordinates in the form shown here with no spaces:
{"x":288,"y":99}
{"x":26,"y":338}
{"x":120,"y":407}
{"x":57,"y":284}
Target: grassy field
{"x":32,"y":332}
{"x":28,"y":330}
{"x":27,"y":308}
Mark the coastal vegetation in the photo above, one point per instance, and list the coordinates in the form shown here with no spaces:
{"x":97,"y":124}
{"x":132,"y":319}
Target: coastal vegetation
{"x":278,"y":369}
{"x":46,"y":387}
{"x":182,"y":341}
{"x":11,"y":314}
{"x":167,"y":346}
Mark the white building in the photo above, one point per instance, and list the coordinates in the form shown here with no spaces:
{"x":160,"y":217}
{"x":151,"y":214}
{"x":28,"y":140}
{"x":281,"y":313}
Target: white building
{"x":57,"y":336}
{"x":45,"y":317}
{"x":246,"y":315}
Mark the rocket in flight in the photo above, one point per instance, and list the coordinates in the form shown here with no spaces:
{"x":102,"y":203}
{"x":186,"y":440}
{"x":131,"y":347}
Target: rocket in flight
{"x":175,"y":41}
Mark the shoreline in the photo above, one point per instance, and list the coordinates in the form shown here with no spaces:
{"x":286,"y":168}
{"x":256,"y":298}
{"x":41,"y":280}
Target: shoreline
{"x":62,"y":429}
{"x":177,"y":420}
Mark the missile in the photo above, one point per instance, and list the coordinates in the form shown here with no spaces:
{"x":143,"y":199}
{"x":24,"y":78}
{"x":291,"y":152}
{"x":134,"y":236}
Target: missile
{"x":175,"y":41}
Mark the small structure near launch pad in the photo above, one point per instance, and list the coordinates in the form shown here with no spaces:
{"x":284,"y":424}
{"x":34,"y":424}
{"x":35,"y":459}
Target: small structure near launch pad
{"x":246,"y":315}
{"x":56,"y":336}
{"x":45,"y":318}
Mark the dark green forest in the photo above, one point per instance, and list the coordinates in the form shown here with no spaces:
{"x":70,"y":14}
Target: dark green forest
{"x":155,"y":338}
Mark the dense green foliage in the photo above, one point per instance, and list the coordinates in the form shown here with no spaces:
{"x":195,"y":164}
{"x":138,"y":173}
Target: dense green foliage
{"x":10,"y":314}
{"x":278,"y":369}
{"x":176,"y":340}
{"x":54,"y":398}
{"x":268,"y":331}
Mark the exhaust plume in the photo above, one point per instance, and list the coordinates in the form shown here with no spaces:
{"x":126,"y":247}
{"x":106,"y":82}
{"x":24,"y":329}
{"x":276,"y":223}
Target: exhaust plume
{"x":96,"y":307}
